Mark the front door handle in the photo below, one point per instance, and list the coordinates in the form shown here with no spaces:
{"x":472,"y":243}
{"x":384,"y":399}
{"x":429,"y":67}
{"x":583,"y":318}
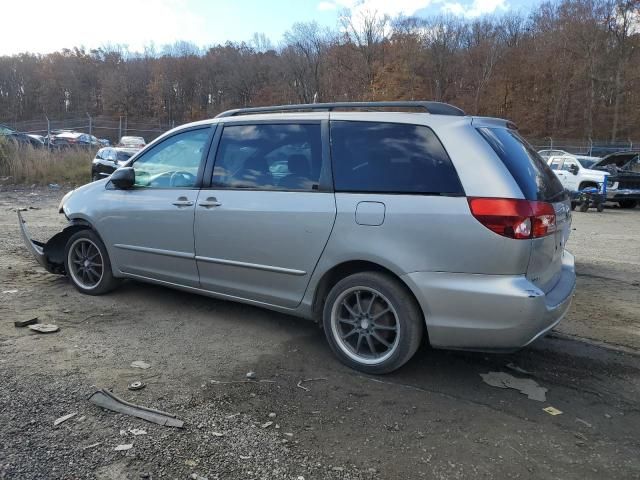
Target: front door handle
{"x":210,"y":202}
{"x":183,"y":202}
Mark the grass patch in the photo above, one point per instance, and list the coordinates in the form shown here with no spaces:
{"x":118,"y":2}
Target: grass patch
{"x":23,"y":164}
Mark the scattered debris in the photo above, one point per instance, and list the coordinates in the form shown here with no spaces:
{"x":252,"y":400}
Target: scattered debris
{"x":195,"y":476}
{"x":54,"y":186}
{"x":217,"y":434}
{"x":123,"y":447}
{"x":251,"y":375}
{"x":105,"y":399}
{"x":137,"y":431}
{"x":515,"y":368}
{"x":64,"y":419}
{"x":526,"y":386}
{"x":137,"y":385}
{"x":584,"y":422}
{"x":93,"y":445}
{"x":44,"y":327}
{"x":26,"y":323}
{"x":9,"y":291}
{"x":140,"y":364}
{"x":299,"y":385}
{"x":230,"y":382}
{"x":266,"y":424}
{"x":272,"y":415}
{"x":552,"y":411}
{"x":606,"y":415}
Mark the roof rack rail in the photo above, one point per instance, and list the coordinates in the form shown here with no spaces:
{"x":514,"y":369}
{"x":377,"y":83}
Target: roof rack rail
{"x":434,"y":108}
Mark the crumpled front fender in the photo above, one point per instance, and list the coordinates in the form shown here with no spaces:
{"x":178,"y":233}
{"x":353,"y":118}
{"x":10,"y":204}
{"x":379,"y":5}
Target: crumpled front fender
{"x":49,"y":255}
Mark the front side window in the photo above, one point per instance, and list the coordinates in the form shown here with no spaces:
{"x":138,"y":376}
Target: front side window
{"x":174,"y":162}
{"x":390,"y":158}
{"x":269,"y":157}
{"x":568,"y":165}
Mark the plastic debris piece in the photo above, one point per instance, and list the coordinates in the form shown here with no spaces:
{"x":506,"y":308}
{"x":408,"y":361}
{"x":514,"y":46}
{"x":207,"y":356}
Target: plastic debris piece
{"x":44,"y":327}
{"x":526,"y":386}
{"x":137,"y":431}
{"x":105,"y":399}
{"x":266,"y":424}
{"x":26,"y":322}
{"x":64,"y":419}
{"x":217,"y":434}
{"x":9,"y":291}
{"x":137,"y":385}
{"x":515,"y":368}
{"x":140,"y":364}
{"x":584,"y":422}
{"x":552,"y":411}
{"x":251,"y":375}
{"x":92,"y":445}
{"x":123,"y":447}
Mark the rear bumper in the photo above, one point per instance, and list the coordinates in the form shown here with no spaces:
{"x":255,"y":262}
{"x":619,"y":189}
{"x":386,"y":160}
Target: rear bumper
{"x":623,"y":194}
{"x":490,"y":312}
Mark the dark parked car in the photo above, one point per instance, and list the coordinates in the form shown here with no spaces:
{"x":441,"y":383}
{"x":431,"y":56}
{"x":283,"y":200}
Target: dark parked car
{"x":108,"y":159}
{"x":19,"y":137}
{"x":73,"y":139}
{"x":623,"y":185}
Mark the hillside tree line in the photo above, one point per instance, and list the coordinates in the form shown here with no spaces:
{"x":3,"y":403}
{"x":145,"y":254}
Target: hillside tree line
{"x":569,"y":68}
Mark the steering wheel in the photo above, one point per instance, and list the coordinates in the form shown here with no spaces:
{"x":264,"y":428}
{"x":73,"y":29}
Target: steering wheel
{"x":189,"y":177}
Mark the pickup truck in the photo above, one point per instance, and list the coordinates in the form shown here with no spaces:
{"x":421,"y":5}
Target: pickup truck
{"x":621,"y":170}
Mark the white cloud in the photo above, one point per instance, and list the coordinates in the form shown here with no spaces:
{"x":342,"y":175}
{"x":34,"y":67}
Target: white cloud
{"x":476,"y":8}
{"x":135,"y":23}
{"x":393,"y":8}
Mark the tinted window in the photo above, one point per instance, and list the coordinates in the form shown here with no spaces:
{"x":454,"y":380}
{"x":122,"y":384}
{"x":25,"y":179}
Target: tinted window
{"x":273,"y":157}
{"x":534,"y":177}
{"x":123,"y":156}
{"x":390,"y":157}
{"x":174,"y":162}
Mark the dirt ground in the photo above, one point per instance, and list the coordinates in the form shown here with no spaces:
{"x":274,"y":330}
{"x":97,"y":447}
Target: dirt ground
{"x":435,"y":418}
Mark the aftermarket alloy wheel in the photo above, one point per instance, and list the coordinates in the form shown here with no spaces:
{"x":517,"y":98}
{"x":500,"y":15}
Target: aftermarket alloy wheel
{"x":87,"y":263}
{"x":372,"y":323}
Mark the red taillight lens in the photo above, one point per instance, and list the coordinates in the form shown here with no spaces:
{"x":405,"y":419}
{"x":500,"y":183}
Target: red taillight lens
{"x":514,"y":218}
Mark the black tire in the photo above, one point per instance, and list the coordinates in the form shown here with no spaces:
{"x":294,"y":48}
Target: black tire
{"x":600,"y":207}
{"x":101,"y":280}
{"x":404,"y":314}
{"x":584,"y":206}
{"x":573,"y":205}
{"x":628,"y":203}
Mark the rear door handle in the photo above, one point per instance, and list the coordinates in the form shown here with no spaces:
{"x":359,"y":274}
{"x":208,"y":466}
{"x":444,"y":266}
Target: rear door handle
{"x":183,"y":202}
{"x":210,"y":202}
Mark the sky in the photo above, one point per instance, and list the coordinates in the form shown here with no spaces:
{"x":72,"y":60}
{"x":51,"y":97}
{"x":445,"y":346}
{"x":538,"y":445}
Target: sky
{"x":40,"y":26}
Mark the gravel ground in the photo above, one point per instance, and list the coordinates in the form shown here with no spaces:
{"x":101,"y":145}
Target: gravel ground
{"x":434,"y":418}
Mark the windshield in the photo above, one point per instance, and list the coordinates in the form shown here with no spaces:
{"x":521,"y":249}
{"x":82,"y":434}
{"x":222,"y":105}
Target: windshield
{"x":586,"y":163}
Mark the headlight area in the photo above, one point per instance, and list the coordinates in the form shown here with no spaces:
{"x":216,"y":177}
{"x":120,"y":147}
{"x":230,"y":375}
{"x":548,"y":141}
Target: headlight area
{"x":64,"y":199}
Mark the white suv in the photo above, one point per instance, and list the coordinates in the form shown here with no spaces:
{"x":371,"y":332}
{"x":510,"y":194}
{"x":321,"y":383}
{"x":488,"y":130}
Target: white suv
{"x":574,"y":175}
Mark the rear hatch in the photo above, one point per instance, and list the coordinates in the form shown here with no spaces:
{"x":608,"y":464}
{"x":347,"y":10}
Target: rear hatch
{"x":538,"y":184}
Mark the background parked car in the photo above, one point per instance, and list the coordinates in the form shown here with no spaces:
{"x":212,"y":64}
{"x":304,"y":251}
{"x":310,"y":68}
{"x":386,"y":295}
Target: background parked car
{"x":624,"y":177}
{"x":104,"y":142}
{"x":73,"y":139}
{"x":18,"y":137}
{"x":132,"y":142}
{"x":107,"y":160}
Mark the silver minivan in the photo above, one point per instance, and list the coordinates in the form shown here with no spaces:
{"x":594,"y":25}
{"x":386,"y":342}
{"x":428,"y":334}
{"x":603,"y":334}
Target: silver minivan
{"x":387,"y":228}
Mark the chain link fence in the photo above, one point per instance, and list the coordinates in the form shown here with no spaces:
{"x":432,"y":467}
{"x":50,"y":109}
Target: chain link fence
{"x":592,"y":148}
{"x":102,"y":127}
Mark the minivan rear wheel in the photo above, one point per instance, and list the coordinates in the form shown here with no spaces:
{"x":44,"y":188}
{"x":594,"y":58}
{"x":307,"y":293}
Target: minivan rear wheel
{"x":372,"y":322}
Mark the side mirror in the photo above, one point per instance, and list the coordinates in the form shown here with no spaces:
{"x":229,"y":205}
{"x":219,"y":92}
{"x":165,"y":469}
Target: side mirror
{"x":574,"y":169}
{"x":123,"y":178}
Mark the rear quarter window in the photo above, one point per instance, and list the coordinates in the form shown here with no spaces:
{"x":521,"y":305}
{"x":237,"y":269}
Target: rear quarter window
{"x":534,"y":177}
{"x":390,"y":158}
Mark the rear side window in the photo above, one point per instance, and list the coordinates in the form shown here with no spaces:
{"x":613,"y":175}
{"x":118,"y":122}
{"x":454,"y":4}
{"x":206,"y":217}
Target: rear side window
{"x":534,"y":177}
{"x":390,"y":158}
{"x":123,"y":156}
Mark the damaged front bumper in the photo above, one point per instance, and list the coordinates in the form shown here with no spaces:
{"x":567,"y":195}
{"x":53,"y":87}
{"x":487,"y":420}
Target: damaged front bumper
{"x":49,"y":255}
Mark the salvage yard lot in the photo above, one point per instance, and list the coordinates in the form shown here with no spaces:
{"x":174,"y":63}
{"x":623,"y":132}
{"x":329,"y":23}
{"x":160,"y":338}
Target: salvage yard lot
{"x":434,"y":418}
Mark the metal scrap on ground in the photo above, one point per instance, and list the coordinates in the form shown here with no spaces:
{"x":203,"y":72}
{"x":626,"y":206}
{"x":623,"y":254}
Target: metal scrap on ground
{"x":105,"y":399}
{"x":299,"y":385}
{"x":140,"y":364}
{"x":526,"y":386}
{"x":137,"y":385}
{"x":44,"y":327}
{"x":26,"y":322}
{"x":552,"y":411}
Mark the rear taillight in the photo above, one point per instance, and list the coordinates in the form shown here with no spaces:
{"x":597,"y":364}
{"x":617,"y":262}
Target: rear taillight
{"x":514,"y":218}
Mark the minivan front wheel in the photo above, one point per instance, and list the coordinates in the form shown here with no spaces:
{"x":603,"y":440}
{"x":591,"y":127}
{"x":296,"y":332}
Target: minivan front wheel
{"x":372,"y":323}
{"x":87,"y":263}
